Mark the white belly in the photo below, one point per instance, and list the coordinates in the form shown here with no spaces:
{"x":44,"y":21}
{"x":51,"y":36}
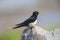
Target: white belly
{"x":32,"y":24}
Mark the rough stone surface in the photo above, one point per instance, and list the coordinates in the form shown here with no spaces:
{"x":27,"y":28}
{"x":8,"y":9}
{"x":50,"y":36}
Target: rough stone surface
{"x":39,"y":33}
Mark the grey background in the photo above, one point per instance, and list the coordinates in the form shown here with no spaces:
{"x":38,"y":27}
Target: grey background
{"x":16,"y":11}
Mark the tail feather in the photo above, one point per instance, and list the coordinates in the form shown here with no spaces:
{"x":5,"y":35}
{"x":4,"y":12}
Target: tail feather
{"x":18,"y":25}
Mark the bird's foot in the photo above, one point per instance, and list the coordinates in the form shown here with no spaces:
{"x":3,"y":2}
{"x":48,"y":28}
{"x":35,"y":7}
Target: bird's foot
{"x":31,"y":27}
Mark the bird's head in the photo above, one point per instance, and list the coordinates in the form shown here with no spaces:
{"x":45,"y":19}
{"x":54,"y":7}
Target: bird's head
{"x":35,"y":13}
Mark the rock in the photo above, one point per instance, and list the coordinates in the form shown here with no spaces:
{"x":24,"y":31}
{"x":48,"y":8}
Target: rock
{"x":38,"y":33}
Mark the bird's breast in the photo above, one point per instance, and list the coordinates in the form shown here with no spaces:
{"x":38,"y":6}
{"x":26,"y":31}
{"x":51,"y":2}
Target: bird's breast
{"x":33,"y":23}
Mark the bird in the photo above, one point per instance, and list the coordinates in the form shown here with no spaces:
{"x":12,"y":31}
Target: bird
{"x":30,"y":22}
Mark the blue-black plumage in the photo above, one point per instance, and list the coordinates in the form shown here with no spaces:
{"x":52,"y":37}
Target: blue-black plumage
{"x":31,"y":21}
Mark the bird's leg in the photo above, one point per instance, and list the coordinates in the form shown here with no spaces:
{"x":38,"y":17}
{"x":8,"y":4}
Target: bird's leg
{"x":31,"y":29}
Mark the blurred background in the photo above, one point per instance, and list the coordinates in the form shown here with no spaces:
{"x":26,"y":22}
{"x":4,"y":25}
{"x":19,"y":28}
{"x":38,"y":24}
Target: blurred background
{"x":16,"y":11}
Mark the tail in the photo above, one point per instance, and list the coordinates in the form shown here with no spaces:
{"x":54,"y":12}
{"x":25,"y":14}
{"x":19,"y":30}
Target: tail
{"x":18,"y":26}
